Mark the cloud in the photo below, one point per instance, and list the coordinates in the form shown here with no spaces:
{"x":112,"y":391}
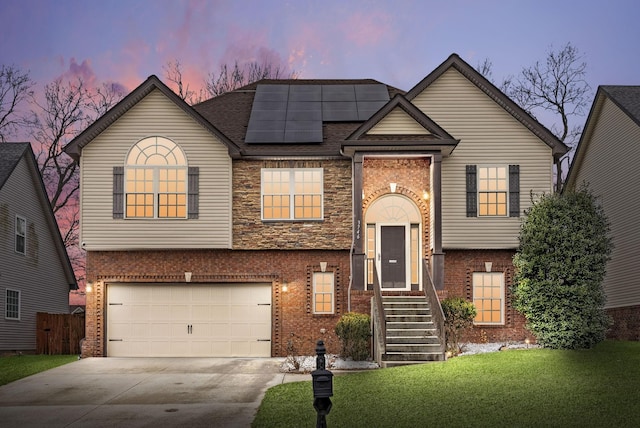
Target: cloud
{"x":82,"y":71}
{"x":367,"y":28}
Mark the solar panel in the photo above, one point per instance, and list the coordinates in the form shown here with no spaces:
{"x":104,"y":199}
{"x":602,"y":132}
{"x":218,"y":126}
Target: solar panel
{"x":295,"y":113}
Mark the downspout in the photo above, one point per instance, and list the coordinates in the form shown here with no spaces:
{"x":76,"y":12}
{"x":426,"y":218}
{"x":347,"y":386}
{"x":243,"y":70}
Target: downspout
{"x":353,"y":234}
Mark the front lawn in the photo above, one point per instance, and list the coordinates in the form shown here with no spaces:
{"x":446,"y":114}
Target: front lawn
{"x":19,"y":366}
{"x":514,"y":388}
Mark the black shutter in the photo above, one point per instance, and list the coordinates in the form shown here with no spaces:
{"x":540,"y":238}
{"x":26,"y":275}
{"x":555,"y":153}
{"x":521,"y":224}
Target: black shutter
{"x":118,"y":192}
{"x":472,"y":192}
{"x":194,"y":182}
{"x":514,"y":190}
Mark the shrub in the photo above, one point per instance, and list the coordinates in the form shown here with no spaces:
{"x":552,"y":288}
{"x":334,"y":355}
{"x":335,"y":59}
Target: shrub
{"x":560,"y":266}
{"x":459,"y":315}
{"x":354,"y":331}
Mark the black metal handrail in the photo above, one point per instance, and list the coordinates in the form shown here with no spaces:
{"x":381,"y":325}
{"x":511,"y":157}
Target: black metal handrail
{"x":430,"y":292}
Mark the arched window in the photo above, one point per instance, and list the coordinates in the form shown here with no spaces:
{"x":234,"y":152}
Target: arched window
{"x":156,"y":180}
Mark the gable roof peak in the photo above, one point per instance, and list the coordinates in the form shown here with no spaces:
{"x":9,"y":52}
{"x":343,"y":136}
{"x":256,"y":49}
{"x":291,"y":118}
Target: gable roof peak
{"x":476,"y":78}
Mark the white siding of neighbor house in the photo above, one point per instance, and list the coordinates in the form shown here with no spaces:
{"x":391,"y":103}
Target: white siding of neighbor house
{"x":398,"y":122}
{"x":38,"y":275}
{"x":155,"y":115}
{"x":610,"y":166}
{"x":488,"y":135}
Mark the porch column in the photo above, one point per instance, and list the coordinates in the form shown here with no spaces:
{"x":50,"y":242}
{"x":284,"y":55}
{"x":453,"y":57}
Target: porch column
{"x":437,"y":257}
{"x":357,"y":255}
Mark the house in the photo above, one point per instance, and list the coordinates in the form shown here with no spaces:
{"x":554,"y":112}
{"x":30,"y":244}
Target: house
{"x":248,"y":224}
{"x":606,"y":159}
{"x":35,"y":272}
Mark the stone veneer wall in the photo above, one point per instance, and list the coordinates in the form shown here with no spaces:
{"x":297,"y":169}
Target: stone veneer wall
{"x":295,"y":329}
{"x":333,"y":232}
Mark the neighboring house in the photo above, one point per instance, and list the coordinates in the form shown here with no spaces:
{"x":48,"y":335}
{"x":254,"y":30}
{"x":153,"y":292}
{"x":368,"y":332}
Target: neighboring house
{"x":248,"y":224}
{"x":35,"y":272}
{"x":607,"y":160}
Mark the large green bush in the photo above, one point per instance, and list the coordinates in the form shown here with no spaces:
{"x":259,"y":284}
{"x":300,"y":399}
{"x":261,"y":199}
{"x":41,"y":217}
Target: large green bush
{"x":560,"y":265}
{"x":354,"y":331}
{"x":458,"y":317}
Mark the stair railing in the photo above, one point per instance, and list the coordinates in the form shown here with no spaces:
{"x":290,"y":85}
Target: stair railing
{"x":379,"y":321}
{"x":437,"y":315}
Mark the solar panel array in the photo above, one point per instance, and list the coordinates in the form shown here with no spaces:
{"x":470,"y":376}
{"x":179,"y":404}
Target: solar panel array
{"x":295,"y":113}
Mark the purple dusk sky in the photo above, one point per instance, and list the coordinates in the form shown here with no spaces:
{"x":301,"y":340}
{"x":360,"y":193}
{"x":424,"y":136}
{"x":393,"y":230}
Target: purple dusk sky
{"x":396,"y":42}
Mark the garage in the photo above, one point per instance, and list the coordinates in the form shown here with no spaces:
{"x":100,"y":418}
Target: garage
{"x":188,"y":320}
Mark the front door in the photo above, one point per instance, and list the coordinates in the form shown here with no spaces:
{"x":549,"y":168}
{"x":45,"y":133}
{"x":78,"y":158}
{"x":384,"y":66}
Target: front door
{"x":393,"y":257}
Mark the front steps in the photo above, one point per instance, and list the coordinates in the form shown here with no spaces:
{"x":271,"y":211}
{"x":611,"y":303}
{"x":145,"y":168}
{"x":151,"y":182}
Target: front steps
{"x":412,"y":337}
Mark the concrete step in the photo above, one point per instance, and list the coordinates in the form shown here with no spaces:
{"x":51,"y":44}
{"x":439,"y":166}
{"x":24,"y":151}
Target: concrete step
{"x":413,"y":348}
{"x":387,"y":364}
{"x":406,"y":318}
{"x":409,"y":332}
{"x":413,"y":356}
{"x":424,"y":339}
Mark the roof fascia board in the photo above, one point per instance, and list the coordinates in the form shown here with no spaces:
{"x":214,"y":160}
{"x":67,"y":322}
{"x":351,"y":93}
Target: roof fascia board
{"x":415,"y":113}
{"x":557,"y":146}
{"x":74,"y":148}
{"x":41,"y":190}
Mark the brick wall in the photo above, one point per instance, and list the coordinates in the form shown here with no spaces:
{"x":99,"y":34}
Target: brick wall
{"x":333,"y":232}
{"x":626,"y":323}
{"x":459,"y":266}
{"x":295,"y":329}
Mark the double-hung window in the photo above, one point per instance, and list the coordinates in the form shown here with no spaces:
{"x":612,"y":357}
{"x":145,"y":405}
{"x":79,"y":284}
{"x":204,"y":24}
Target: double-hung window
{"x":12,"y":305}
{"x":292,"y":193}
{"x":323,"y":293}
{"x":156,"y":180}
{"x":21,"y":235}
{"x":488,"y":297}
{"x":493,"y":190}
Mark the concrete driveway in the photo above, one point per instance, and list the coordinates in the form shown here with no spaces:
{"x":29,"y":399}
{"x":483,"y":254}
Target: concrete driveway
{"x":143,"y":392}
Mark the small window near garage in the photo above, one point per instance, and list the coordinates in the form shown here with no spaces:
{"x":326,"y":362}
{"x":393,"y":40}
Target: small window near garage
{"x":488,"y":297}
{"x":323,"y":293}
{"x":21,"y":235}
{"x":12,"y":305}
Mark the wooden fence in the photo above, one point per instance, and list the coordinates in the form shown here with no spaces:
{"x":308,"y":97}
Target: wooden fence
{"x":59,"y":334}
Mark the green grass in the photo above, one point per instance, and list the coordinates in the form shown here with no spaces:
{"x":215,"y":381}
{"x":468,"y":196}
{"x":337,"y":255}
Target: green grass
{"x":516,"y":388}
{"x":19,"y":366}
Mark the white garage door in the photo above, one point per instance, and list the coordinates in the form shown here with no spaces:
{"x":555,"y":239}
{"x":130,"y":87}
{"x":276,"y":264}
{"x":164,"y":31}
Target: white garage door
{"x":185,"y":320}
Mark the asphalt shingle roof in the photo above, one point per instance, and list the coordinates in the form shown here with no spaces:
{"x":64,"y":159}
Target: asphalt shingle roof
{"x":10,"y":154}
{"x":627,"y":98}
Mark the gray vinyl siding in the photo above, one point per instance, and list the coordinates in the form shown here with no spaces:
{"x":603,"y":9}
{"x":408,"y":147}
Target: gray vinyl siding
{"x":38,"y":275}
{"x":610,"y":166}
{"x":155,"y":115}
{"x":488,"y":136}
{"x":397,"y":122}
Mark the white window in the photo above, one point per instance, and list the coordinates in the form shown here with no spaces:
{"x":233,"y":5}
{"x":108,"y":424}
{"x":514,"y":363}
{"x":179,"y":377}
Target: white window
{"x":21,"y":235}
{"x":492,"y":191}
{"x":12,"y":305}
{"x":323,"y":293}
{"x":488,"y":297}
{"x":156,"y":180}
{"x":292,"y":193}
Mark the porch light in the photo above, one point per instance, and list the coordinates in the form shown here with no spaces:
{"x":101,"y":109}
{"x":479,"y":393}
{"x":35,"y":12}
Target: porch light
{"x":425,"y":195}
{"x":187,"y":276}
{"x":285,"y":288}
{"x":323,"y":266}
{"x":487,"y":266}
{"x":393,"y":187}
{"x":89,"y":287}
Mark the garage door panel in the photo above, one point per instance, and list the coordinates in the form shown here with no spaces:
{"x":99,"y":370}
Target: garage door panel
{"x":189,"y":320}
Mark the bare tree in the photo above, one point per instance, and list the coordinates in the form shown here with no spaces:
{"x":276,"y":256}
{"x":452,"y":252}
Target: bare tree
{"x":228,"y":80}
{"x":15,"y":88}
{"x":557,"y":85}
{"x":173,"y":73}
